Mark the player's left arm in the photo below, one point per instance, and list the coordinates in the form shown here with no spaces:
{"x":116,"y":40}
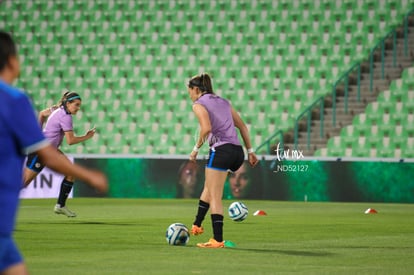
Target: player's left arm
{"x":244,"y":132}
{"x":72,"y":139}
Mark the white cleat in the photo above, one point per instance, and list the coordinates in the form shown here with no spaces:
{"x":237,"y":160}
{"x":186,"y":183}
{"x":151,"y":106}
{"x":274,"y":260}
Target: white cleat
{"x":64,"y":211}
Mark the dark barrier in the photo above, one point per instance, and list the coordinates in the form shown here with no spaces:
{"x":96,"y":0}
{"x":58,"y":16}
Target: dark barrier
{"x":313,"y":180}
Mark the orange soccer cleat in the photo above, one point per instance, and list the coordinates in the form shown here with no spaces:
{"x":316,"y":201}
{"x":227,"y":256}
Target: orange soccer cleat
{"x":212,"y":243}
{"x":196,"y":230}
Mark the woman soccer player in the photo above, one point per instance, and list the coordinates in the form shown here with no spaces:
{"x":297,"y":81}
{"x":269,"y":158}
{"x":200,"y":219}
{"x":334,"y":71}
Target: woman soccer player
{"x":218,"y":122}
{"x":20,"y":134}
{"x":58,"y":125}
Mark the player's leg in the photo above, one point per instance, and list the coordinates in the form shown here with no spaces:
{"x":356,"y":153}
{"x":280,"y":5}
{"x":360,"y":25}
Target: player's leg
{"x":215,"y":180}
{"x":28,"y":176}
{"x":65,"y":188}
{"x":203,"y":206}
{"x":33,"y":168}
{"x":11,"y":262}
{"x":220,"y":161}
{"x":17,"y":269}
{"x":205,"y":198}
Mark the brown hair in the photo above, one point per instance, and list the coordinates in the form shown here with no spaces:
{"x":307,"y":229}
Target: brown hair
{"x":203,"y":82}
{"x":7,"y":49}
{"x":68,"y":96}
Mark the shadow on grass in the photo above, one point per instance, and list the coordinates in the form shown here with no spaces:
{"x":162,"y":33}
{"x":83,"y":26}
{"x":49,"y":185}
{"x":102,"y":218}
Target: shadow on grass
{"x":72,"y":222}
{"x":106,"y":223}
{"x":373,"y":247}
{"x":285,"y":252}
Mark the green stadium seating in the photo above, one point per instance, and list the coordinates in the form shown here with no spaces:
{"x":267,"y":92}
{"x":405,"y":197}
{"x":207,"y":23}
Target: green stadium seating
{"x":386,"y":128}
{"x":144,"y":51}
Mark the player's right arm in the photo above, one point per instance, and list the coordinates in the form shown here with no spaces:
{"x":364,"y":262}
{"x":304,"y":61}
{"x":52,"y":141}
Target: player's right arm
{"x":58,"y":162}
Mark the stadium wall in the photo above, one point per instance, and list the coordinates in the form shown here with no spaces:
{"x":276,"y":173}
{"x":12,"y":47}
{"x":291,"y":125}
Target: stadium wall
{"x":316,"y":179}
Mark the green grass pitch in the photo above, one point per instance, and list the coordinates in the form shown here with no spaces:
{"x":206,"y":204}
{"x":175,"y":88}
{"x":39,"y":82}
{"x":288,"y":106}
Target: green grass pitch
{"x":127,"y":236}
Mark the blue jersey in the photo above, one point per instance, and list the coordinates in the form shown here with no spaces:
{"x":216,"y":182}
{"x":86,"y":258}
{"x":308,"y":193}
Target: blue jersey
{"x":222,"y":125}
{"x":20,"y":134}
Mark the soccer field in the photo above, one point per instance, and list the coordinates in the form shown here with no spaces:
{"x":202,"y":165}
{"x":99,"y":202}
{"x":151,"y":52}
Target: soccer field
{"x":127,"y":236}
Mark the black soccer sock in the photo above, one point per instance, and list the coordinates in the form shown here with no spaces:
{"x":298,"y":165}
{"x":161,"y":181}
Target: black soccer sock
{"x":201,"y":212}
{"x":65,"y":188}
{"x":217,"y":221}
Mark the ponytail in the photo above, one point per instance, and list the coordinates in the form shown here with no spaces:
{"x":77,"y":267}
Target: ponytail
{"x":203,"y":82}
{"x":62,"y":99}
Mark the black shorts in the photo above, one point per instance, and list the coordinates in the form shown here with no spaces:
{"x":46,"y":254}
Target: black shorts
{"x":33,"y":163}
{"x":226,"y":157}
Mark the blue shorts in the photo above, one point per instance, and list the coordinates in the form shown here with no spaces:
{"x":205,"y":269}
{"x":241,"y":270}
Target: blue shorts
{"x":9,"y":254}
{"x":226,"y":157}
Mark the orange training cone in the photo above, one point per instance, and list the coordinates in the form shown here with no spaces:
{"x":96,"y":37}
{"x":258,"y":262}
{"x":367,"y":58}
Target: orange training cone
{"x":259,"y":213}
{"x":371,"y":211}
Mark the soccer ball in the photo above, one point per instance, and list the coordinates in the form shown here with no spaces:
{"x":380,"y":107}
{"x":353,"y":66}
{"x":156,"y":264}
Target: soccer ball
{"x":238,"y":211}
{"x":177,"y":234}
